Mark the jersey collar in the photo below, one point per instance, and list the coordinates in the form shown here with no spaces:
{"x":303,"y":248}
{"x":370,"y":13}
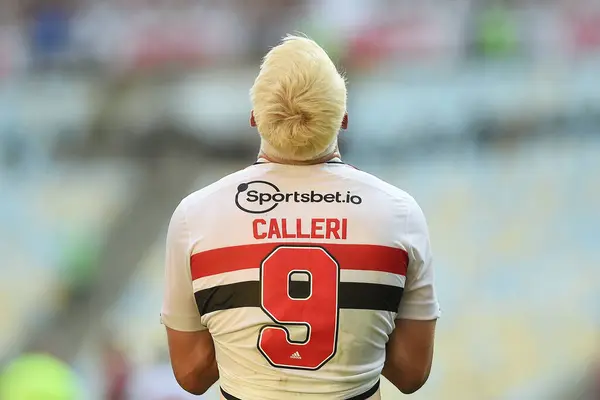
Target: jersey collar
{"x":334,"y":160}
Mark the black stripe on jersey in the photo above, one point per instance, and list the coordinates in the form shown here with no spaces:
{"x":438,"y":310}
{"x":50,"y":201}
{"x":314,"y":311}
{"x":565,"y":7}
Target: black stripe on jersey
{"x":362,"y":396}
{"x":225,"y":297}
{"x":369,"y":296}
{"x":352,"y":295}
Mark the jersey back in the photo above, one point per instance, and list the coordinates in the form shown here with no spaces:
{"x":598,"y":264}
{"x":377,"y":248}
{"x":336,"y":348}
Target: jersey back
{"x":299,"y":273}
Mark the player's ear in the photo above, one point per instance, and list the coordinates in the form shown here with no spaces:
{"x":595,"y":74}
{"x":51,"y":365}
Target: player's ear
{"x":345,"y":122}
{"x":252,"y":120}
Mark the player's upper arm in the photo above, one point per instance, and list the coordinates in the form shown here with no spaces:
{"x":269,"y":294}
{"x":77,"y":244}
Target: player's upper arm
{"x":191,"y":347}
{"x":410,"y":348}
{"x":419,"y":300}
{"x":179,"y":311}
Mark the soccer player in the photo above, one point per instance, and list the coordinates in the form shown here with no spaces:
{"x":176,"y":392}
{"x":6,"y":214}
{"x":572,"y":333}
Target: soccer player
{"x":299,"y":275}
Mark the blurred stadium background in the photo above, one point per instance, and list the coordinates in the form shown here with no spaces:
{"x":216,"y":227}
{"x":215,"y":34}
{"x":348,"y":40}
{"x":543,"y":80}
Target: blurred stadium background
{"x":488,"y":112}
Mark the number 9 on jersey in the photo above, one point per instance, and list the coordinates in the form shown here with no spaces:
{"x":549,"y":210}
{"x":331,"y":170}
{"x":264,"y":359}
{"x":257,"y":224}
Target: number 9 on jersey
{"x":299,"y":287}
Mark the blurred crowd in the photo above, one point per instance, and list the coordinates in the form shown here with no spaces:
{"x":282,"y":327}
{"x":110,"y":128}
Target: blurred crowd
{"x":113,"y":110}
{"x":130,"y":34}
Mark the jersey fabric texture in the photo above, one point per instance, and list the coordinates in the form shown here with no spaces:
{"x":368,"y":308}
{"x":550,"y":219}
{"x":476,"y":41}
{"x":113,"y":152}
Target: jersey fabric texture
{"x":299,"y":273}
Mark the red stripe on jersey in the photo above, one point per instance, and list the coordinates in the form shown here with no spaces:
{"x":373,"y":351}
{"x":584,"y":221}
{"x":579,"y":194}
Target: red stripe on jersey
{"x":362,"y":257}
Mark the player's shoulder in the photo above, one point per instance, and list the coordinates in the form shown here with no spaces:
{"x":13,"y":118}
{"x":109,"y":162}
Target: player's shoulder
{"x":212,"y":191}
{"x":378,"y":185}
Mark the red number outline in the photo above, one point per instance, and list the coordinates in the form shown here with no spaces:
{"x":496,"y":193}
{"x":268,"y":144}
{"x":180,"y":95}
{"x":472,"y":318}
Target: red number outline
{"x":281,"y":326}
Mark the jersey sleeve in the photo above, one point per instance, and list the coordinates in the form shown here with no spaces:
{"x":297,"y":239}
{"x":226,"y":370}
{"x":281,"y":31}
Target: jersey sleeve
{"x":419,"y":300}
{"x":179,"y":310}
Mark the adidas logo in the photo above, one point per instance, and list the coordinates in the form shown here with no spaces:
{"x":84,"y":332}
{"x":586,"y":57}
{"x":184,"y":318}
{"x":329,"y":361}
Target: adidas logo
{"x":296,"y":356}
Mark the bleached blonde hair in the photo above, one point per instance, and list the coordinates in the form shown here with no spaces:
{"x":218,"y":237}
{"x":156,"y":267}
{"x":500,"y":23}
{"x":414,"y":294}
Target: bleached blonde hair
{"x":299,"y":100}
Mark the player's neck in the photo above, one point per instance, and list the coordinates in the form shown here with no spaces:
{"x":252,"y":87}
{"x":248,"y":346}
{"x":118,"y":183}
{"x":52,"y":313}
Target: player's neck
{"x":269,"y":154}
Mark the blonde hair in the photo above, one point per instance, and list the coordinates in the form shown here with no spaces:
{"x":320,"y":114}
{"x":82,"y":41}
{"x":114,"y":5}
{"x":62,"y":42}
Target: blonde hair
{"x":299,"y":99}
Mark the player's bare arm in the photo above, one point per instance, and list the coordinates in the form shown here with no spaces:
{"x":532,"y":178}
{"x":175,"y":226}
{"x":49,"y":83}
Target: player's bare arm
{"x":409,"y":354}
{"x":193,"y":360}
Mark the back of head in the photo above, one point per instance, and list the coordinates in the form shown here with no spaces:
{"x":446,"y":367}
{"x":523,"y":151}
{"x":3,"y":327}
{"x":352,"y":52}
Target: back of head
{"x":299,"y":100}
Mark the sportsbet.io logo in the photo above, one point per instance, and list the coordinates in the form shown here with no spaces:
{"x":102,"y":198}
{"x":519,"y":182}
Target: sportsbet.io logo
{"x":259,"y":197}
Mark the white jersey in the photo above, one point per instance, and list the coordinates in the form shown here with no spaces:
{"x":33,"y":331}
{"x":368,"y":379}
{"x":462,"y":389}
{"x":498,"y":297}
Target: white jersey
{"x":299,"y":273}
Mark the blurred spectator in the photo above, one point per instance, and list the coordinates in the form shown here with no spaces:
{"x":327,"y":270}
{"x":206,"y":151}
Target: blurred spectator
{"x":80,"y":262}
{"x":98,"y":34}
{"x":584,"y":25}
{"x":270,"y":20}
{"x":39,"y":376}
{"x":49,"y":32}
{"x":12,"y":50}
{"x":117,"y":372}
{"x":496,"y":32}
